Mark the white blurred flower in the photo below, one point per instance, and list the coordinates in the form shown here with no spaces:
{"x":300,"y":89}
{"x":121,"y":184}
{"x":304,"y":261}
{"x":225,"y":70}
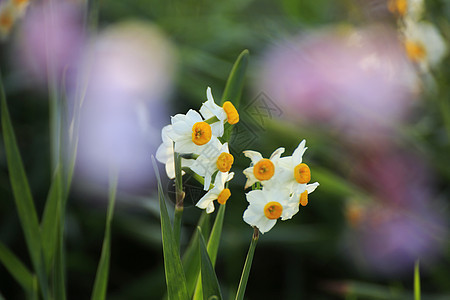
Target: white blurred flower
{"x":214,"y":156}
{"x":262,"y":169}
{"x":266,"y":206}
{"x":218,"y":192}
{"x":424,"y":44}
{"x":7,"y":18}
{"x":407,"y":8}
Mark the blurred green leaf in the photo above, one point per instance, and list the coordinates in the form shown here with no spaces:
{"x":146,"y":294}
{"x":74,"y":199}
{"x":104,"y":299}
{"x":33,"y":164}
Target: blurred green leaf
{"x":213,"y":246}
{"x":16,"y":268}
{"x":191,"y":259}
{"x":233,"y":87}
{"x":50,"y":219}
{"x":175,"y":277}
{"x":210,"y":284}
{"x":101,"y":279}
{"x":22,"y":195}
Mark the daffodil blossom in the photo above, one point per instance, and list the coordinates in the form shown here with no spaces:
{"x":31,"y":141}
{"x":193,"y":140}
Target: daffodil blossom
{"x":218,"y":192}
{"x":165,"y":153}
{"x":262,"y":169}
{"x":214,"y":157}
{"x":294,"y":173}
{"x":266,"y":206}
{"x":191,"y":133}
{"x":226,"y":113}
{"x":424,"y":44}
{"x":299,"y":197}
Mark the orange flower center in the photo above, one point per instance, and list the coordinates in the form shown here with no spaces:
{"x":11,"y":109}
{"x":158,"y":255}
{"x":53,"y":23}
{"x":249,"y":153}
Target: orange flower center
{"x":201,"y":133}
{"x":273,"y":210}
{"x":224,"y":162}
{"x":415,"y":51}
{"x":6,"y":21}
{"x":264,"y":169}
{"x":232,"y":114}
{"x":303,"y":198}
{"x":302,"y":173}
{"x":398,"y":7}
{"x":223,"y":196}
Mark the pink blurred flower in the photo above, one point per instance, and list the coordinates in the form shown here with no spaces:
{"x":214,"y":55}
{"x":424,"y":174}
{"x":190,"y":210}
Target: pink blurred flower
{"x":402,"y":223}
{"x":51,"y":36}
{"x":358,"y":82}
{"x":131,"y":69}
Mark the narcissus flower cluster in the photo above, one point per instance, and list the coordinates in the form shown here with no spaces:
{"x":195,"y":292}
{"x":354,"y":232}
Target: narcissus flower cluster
{"x":197,"y":134}
{"x":285,"y":187}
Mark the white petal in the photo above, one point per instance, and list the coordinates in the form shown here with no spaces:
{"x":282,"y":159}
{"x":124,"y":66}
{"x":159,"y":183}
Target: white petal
{"x":265,"y":225}
{"x":253,"y":155}
{"x":165,"y":134}
{"x":277,"y":153}
{"x":217,"y":128}
{"x":251,"y":179}
{"x":206,"y":199}
{"x":312,"y":187}
{"x":298,"y":153}
{"x":193,"y":117}
{"x":210,"y":208}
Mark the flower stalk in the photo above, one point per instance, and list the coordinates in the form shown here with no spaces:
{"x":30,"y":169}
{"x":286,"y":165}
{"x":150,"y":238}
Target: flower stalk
{"x":247,"y":266}
{"x":179,"y":199}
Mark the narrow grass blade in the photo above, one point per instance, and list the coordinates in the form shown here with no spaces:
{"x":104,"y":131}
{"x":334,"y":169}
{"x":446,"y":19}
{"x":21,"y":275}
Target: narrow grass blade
{"x":233,"y":88}
{"x":175,"y":277}
{"x":101,"y":279}
{"x":235,"y":82}
{"x":210,"y":284}
{"x":50,"y":219}
{"x":247,"y":266}
{"x":191,"y":259}
{"x":416,"y":281}
{"x":22,"y":195}
{"x":16,"y":268}
{"x":213,"y":246}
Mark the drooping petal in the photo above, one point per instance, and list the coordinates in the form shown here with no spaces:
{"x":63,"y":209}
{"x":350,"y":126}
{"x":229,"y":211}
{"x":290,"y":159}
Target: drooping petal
{"x":253,"y":155}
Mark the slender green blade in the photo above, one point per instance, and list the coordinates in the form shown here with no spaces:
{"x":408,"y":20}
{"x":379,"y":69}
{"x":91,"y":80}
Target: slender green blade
{"x":233,"y":88}
{"x":101,"y":279}
{"x":210,"y":284}
{"x":416,"y":281}
{"x":247,"y":266}
{"x":22,"y":195}
{"x":16,"y":268}
{"x":191,"y":259}
{"x":213,"y":246}
{"x":175,"y":277}
{"x":50,"y":219}
{"x":235,"y":82}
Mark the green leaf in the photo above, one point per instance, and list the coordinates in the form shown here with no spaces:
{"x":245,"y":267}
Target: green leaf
{"x":213,"y":246}
{"x":101,"y":279}
{"x":416,"y":281}
{"x":210,"y":284}
{"x":233,"y":88}
{"x":191,"y":259}
{"x":22,"y":195}
{"x":16,"y":268}
{"x":50,"y":219}
{"x":175,"y":277}
{"x":235,"y":82}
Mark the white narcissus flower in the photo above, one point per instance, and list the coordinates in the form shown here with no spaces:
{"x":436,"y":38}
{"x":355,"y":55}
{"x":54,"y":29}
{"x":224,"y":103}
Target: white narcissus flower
{"x":165,"y":153}
{"x":407,"y":8}
{"x":218,"y":192}
{"x":226,"y":113}
{"x":190,"y":132}
{"x":424,"y":44}
{"x":298,"y":198}
{"x":266,"y":206}
{"x":262,"y":169}
{"x":294,"y":173}
{"x":214,"y":156}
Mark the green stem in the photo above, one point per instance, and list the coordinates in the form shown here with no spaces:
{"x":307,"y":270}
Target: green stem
{"x":248,"y":264}
{"x":179,"y":196}
{"x":416,"y":281}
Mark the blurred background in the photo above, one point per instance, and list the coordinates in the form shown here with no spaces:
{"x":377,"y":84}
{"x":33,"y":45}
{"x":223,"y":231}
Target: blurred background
{"x":366,"y":83}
